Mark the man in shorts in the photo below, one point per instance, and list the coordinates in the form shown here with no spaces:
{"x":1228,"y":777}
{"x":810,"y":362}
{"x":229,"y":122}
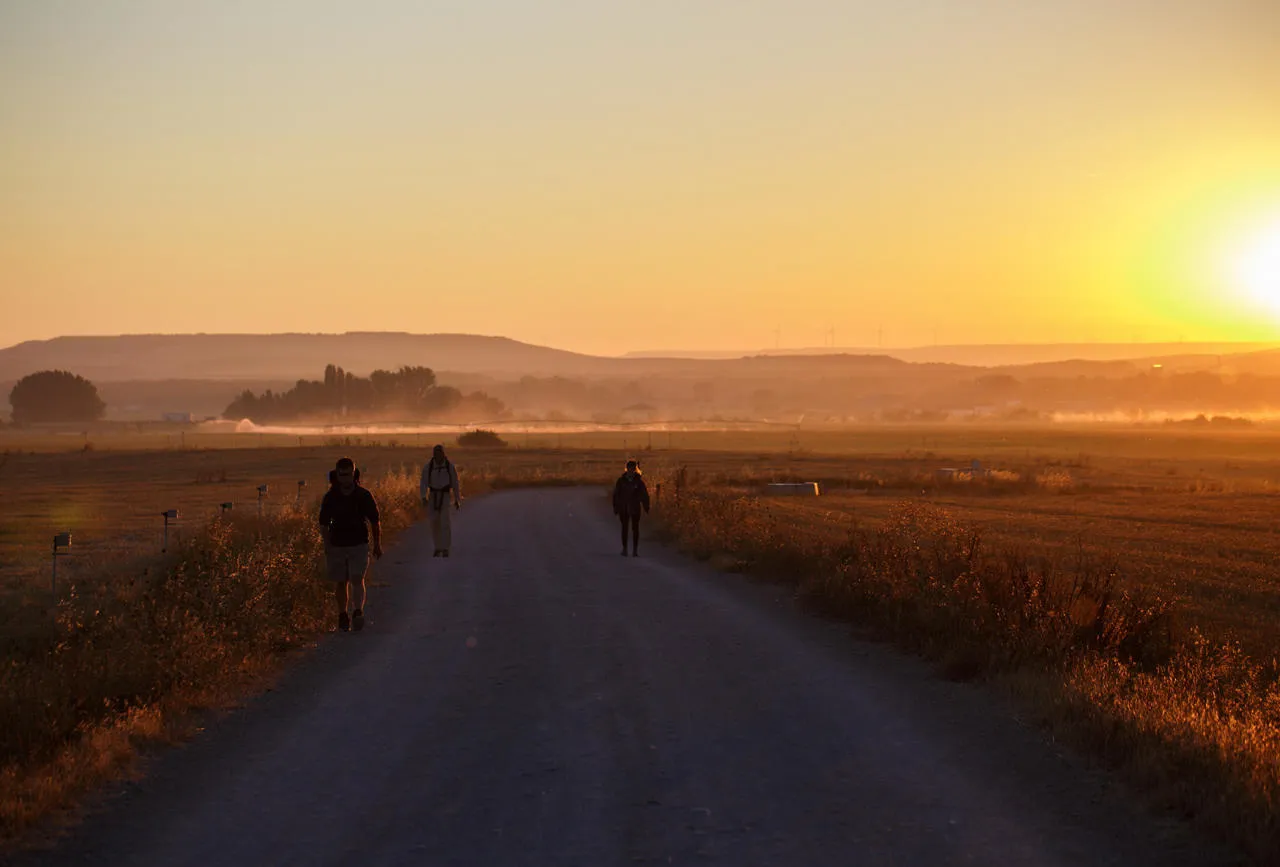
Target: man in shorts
{"x":347,"y":513}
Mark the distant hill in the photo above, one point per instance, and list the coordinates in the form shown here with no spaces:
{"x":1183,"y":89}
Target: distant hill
{"x":998,"y":355}
{"x":142,"y":377}
{"x":275,"y":356}
{"x":1021,"y":353}
{"x":288,"y":357}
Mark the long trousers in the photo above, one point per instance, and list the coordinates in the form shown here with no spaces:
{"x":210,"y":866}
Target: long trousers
{"x":441,"y":523}
{"x":634,"y":521}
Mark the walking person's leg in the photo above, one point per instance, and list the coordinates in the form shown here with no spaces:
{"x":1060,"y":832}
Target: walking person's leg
{"x":446,"y":528}
{"x":635,"y":535}
{"x":336,"y":563}
{"x":358,"y":566}
{"x":623,"y":518}
{"x":433,"y":517}
{"x":341,"y":597}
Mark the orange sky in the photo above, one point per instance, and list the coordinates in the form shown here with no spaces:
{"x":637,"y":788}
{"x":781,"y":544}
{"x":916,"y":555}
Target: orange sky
{"x":644,"y":176}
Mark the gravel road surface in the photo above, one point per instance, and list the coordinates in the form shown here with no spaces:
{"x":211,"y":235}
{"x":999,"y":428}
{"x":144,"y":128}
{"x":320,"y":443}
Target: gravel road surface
{"x":538,"y":700}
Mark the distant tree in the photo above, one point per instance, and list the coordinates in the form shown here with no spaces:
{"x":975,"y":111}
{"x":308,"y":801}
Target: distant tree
{"x":55,"y":396}
{"x":441,"y":399}
{"x":244,"y":406}
{"x":407,"y":388}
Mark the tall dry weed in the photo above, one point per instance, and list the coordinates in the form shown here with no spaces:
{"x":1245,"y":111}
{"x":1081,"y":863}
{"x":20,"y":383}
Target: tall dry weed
{"x":125,"y":646}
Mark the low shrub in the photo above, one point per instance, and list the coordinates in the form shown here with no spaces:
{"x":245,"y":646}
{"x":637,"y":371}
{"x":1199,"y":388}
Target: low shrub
{"x":481,"y":438}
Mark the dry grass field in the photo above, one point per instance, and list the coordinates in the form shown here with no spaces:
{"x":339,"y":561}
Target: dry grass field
{"x":1121,"y":581}
{"x":1216,"y":553}
{"x":112,"y":501}
{"x":1197,"y":514}
{"x":135,"y":639}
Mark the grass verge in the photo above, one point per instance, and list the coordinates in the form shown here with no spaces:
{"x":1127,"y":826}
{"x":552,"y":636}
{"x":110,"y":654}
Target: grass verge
{"x":131,"y":655}
{"x":1192,"y":724}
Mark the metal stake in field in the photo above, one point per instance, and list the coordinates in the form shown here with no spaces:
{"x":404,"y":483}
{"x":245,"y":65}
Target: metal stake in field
{"x":302,"y":483}
{"x":168,"y":515}
{"x":62,"y":540}
{"x":262,"y":493}
{"x":225,"y":507}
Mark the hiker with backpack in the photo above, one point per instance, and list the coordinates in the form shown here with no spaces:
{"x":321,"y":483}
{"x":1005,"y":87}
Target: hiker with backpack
{"x":439,"y":484}
{"x":348,"y":514}
{"x":630,"y":496}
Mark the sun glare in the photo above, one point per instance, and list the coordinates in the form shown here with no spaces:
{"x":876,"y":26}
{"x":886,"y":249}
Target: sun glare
{"x":1257,"y":266}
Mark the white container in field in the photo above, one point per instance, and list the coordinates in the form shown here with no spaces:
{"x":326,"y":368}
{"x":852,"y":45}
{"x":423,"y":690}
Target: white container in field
{"x":792,"y":489}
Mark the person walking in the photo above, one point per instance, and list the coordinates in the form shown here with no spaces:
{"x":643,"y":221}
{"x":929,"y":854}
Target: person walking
{"x":440,"y":484}
{"x":348,"y":515}
{"x":630,"y":496}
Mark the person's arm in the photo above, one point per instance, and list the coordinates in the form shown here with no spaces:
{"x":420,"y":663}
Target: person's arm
{"x":457,"y":487}
{"x":422,"y":485}
{"x":644,"y":495}
{"x":326,"y":514}
{"x":617,"y":497}
{"x":375,"y":525}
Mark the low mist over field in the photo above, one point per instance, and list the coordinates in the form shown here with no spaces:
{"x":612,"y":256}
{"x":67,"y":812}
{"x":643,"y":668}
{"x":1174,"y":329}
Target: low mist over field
{"x":494,"y":380}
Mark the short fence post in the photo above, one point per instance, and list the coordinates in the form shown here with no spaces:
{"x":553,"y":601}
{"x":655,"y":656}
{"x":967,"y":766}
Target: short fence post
{"x":170,"y":513}
{"x":62,"y":540}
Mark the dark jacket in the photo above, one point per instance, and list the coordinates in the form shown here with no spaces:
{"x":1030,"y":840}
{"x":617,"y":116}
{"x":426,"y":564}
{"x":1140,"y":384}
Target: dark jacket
{"x":630,"y":495}
{"x":344,"y":515}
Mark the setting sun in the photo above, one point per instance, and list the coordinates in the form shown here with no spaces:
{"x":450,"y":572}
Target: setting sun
{"x":1257,"y":266}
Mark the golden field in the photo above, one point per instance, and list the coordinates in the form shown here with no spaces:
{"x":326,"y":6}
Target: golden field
{"x":1118,"y":582}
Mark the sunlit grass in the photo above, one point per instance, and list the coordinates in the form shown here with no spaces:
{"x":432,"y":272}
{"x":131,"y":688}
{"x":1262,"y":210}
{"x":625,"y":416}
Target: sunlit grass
{"x":1088,"y":634}
{"x":136,"y":645}
{"x":1193,"y":723}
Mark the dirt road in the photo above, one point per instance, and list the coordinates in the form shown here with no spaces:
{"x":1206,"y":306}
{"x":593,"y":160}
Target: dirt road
{"x":538,"y":700}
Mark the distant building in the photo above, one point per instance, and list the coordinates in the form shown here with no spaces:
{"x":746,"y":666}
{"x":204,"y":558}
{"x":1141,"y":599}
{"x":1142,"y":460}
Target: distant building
{"x":178,"y":417}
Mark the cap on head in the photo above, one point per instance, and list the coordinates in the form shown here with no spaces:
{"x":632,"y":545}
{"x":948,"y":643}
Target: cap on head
{"x":631,"y":465}
{"x":345,"y":464}
{"x":437,"y":449}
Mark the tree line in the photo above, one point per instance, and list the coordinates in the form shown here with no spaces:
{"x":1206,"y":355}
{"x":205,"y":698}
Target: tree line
{"x":410,"y":393}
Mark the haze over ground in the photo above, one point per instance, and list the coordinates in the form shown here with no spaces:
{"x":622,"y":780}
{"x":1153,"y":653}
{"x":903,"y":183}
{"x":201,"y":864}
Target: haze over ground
{"x":626,"y":178}
{"x":149,"y":377}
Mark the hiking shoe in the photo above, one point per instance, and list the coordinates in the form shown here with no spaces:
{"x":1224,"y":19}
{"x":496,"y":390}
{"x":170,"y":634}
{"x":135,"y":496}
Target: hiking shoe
{"x":344,"y":622}
{"x":444,"y":553}
{"x":436,"y":553}
{"x":357,"y":619}
{"x":635,"y":553}
{"x":624,"y":552}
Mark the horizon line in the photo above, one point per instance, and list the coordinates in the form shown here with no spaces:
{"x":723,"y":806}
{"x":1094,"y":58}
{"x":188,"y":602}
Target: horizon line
{"x":658,"y":353}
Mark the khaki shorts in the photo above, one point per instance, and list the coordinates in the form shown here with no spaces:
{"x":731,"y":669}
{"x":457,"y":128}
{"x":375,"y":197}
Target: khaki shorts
{"x":347,"y":562}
